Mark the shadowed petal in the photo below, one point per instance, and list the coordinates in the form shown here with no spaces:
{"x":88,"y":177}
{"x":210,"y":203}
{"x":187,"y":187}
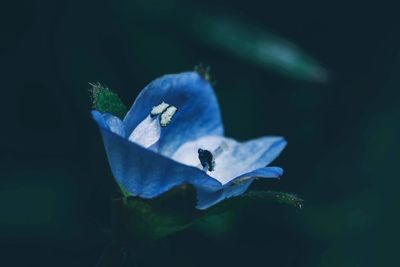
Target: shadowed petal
{"x":238,"y":186}
{"x":145,"y":173}
{"x":197,"y":115}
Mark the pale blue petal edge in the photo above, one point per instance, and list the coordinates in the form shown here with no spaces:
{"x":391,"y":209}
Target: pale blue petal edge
{"x":236,"y":188}
{"x":109,"y":122}
{"x":271,"y":146}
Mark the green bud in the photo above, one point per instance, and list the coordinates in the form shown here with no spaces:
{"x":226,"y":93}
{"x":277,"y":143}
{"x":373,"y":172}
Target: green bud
{"x":104,"y":100}
{"x":204,"y":72}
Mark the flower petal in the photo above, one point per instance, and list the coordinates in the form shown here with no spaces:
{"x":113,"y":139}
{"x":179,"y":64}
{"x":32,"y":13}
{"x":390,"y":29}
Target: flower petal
{"x":198,"y":111}
{"x":241,"y":183}
{"x":109,"y":122}
{"x":147,"y":133}
{"x":145,"y":173}
{"x":236,"y":158}
{"x":263,"y":150}
{"x":238,"y":186}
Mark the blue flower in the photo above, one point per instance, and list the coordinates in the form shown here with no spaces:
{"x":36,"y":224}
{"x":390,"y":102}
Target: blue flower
{"x":173,"y":135}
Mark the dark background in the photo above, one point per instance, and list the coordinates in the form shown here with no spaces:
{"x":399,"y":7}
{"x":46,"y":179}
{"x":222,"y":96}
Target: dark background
{"x":56,"y":185}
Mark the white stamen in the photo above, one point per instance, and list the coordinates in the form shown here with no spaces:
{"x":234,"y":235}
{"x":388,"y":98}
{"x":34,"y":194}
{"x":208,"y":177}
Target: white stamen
{"x":157,"y":110}
{"x":167,"y":115}
{"x":218,"y":151}
{"x":148,"y":132}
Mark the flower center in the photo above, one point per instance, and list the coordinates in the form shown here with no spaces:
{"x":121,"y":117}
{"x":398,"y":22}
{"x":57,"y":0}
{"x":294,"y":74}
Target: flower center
{"x":207,"y":159}
{"x":148,"y":132}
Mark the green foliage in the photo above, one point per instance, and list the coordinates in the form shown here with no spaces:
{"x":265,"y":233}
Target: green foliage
{"x":125,"y":193}
{"x":146,"y":223}
{"x":113,"y":255}
{"x":255,"y":45}
{"x":105,"y":100}
{"x":147,"y":220}
{"x":174,"y":211}
{"x":262,"y":197}
{"x":275,"y":197}
{"x":218,"y":225}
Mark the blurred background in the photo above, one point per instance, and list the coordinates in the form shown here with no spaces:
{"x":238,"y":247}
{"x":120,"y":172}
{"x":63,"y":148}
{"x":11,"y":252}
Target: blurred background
{"x":323,"y":76}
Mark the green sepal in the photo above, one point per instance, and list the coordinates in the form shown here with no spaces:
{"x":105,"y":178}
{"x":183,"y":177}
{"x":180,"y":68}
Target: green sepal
{"x":105,"y":100}
{"x":125,"y":193}
{"x":257,"y":197}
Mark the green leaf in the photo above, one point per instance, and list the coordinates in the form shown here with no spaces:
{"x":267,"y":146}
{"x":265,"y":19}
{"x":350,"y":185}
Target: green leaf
{"x":256,"y":45}
{"x":105,"y":100}
{"x":218,"y":220}
{"x":174,"y":211}
{"x":217,"y":224}
{"x":254,"y":197}
{"x":139,"y":219}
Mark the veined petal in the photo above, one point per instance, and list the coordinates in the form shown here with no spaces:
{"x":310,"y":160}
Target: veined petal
{"x":145,"y":173}
{"x":265,"y":150}
{"x":235,"y":158}
{"x":147,"y":133}
{"x":238,"y":186}
{"x":197,"y":112}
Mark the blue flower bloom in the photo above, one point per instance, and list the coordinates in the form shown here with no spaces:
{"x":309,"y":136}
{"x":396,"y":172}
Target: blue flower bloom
{"x":173,"y":134}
